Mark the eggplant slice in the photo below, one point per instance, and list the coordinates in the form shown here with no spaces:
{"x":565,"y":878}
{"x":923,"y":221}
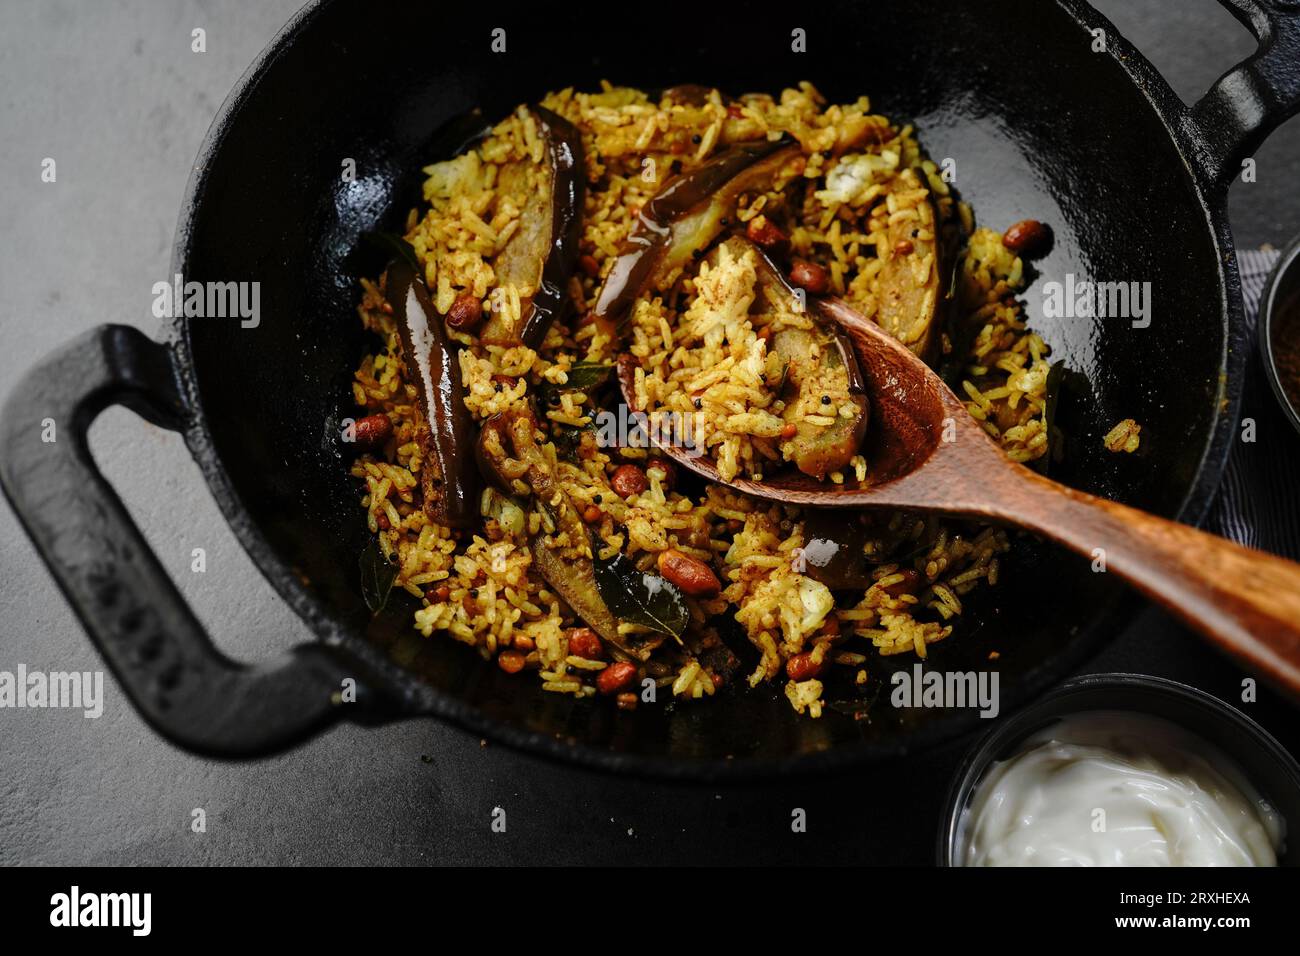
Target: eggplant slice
{"x":539,"y":258}
{"x":508,"y":454}
{"x":448,"y":480}
{"x":911,"y":298}
{"x":682,"y":219}
{"x":811,"y":356}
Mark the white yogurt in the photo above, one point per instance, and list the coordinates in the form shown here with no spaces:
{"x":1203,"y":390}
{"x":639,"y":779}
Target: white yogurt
{"x":1118,"y":789}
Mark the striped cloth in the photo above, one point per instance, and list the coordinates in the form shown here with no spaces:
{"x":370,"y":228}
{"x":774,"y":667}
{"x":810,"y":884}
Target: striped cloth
{"x":1258,"y":504}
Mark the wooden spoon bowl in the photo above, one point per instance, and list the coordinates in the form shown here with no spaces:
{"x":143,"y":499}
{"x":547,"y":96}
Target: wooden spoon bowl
{"x":925,"y":452}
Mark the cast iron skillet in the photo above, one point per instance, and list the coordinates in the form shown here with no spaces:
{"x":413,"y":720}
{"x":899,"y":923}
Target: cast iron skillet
{"x":1133,"y":183}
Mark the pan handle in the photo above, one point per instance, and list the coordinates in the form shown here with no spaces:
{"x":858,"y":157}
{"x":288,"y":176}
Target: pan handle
{"x":162,"y":656}
{"x":1252,"y":99}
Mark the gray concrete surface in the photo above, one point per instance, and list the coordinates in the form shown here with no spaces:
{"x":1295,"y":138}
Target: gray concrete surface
{"x":112,"y":91}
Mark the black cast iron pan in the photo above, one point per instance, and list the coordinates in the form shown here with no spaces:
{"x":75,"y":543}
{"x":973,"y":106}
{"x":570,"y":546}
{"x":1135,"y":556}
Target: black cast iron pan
{"x":1040,"y":125}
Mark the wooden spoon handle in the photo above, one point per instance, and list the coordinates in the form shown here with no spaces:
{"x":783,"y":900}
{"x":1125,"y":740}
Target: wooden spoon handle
{"x":1245,"y":601}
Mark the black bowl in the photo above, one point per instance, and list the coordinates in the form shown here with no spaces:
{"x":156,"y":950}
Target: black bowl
{"x":1265,"y":762}
{"x":1283,"y":287}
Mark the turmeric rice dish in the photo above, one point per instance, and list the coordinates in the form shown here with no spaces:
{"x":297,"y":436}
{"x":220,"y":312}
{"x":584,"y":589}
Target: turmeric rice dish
{"x":602,"y":274}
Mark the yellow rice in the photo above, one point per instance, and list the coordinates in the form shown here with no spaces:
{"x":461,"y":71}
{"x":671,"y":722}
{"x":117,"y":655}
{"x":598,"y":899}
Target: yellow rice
{"x":481,"y":589}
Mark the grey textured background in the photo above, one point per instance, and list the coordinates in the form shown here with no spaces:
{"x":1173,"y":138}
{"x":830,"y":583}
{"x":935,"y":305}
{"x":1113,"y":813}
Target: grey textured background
{"x":113,"y":93}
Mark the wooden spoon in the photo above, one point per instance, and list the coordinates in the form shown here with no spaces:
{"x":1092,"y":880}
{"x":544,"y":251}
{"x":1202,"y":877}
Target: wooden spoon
{"x":926,"y":453}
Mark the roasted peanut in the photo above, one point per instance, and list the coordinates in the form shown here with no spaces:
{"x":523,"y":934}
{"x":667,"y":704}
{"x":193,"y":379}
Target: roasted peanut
{"x":589,"y":265}
{"x":441,"y":593}
{"x":512,"y":662}
{"x":667,"y":472}
{"x":372,"y":431}
{"x":592,"y":514}
{"x":615,"y":677}
{"x":626,"y":701}
{"x":584,"y":642}
{"x":903,"y":247}
{"x":789,"y":430}
{"x":810,"y":277}
{"x":693,"y":576}
{"x":1029,"y":237}
{"x":465,"y":313}
{"x":802,"y":667}
{"x":763,"y":233}
{"x":628,"y":480}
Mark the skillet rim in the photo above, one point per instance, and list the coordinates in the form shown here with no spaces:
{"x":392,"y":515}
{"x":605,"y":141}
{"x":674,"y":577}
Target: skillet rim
{"x":416,"y":698}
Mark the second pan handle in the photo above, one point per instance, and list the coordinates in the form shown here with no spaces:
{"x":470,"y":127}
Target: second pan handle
{"x":1252,"y":99}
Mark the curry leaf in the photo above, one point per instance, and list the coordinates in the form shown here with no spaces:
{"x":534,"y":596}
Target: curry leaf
{"x":638,"y":597}
{"x":396,"y":247}
{"x":582,"y":376}
{"x":1052,"y":398}
{"x":377,"y":576}
{"x":1062,"y":383}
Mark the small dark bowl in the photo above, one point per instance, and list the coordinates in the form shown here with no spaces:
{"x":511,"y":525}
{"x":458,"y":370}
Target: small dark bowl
{"x":1266,"y":764}
{"x":1283,"y":286}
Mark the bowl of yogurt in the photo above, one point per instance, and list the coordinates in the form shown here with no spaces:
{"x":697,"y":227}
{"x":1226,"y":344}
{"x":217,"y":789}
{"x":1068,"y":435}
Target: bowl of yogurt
{"x":1125,"y":770}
